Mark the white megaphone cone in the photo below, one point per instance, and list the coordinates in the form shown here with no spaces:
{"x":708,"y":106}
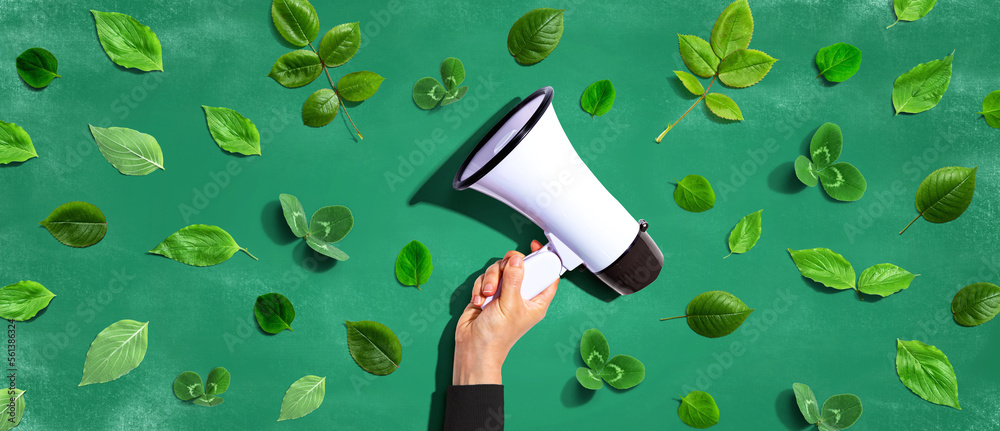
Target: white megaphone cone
{"x":527,"y":162}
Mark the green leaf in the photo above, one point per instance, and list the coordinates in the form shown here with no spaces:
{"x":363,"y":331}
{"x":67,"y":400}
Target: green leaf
{"x":698,"y":410}
{"x":37,"y":67}
{"x":199,"y":245}
{"x":976,"y":304}
{"x":413,"y":264}
{"x":733,"y":29}
{"x":127,"y":42}
{"x":715,"y":314}
{"x":208,"y":400}
{"x":129,"y":151}
{"x":594,"y":349}
{"x":374,"y":347}
{"x":589,"y":379}
{"x":296,"y":68}
{"x":452,"y":73}
{"x":331,"y":223}
{"x":296,"y":20}
{"x":991,"y":111}
{"x":623,"y":372}
{"x":455,"y":95}
{"x":826,"y":145}
{"x":218,"y":381}
{"x":806,"y":400}
{"x":691,"y":83}
{"x":825,"y":266}
{"x":76,"y":224}
{"x":23,"y":300}
{"x":884,"y":279}
{"x":695,"y":194}
{"x":911,"y":10}
{"x":118,"y":349}
{"x":723,"y":107}
{"x":340,"y":44}
{"x":922,"y":87}
{"x":598,"y":98}
{"x":427,"y":92}
{"x":843,"y":182}
{"x":232,"y":131}
{"x":358,"y":86}
{"x":841,"y":411}
{"x":274,"y":313}
{"x":838,"y":62}
{"x":15,"y":144}
{"x":187,"y":386}
{"x":698,"y":56}
{"x":302,"y":397}
{"x":744,"y":68}
{"x":15,"y":397}
{"x":535,"y":35}
{"x":320,"y":108}
{"x":746,"y":233}
{"x":806,"y":171}
{"x":927,"y":372}
{"x":326,"y":249}
{"x":295,"y":215}
{"x":945,"y":194}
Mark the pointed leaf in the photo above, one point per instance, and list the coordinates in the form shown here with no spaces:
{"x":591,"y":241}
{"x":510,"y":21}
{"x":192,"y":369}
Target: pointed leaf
{"x":23,"y":300}
{"x":841,"y":411}
{"x":320,"y":108}
{"x":733,"y":29}
{"x":716,"y":313}
{"x":455,"y":95}
{"x":427,"y":92}
{"x":13,"y":401}
{"x":127,"y":42}
{"x":15,"y":144}
{"x":806,"y":171}
{"x":826,"y":145}
{"x":744,"y":68}
{"x":694,"y":193}
{"x":691,"y":83}
{"x":825,"y":266}
{"x":302,"y":397}
{"x":77,"y":224}
{"x":187,"y":386}
{"x":927,"y":372}
{"x":594,"y":349}
{"x":129,"y":151}
{"x":340,"y":44}
{"x":991,"y":111}
{"x":208,"y":400}
{"x":274,"y":313}
{"x":37,"y":67}
{"x":698,"y":56}
{"x":413,"y":264}
{"x":922,"y":87}
{"x":374,"y":347}
{"x":723,"y":107}
{"x":199,"y":245}
{"x":118,"y":349}
{"x":806,"y":400}
{"x":535,"y":35}
{"x":326,"y":248}
{"x":698,"y":410}
{"x":331,"y":223}
{"x":746,"y":233}
{"x":232,"y":132}
{"x":452,"y":73}
{"x":912,"y":10}
{"x":946,"y":193}
{"x":976,"y":304}
{"x":598,"y":98}
{"x":295,"y":216}
{"x":623,"y":372}
{"x":843,"y":182}
{"x":296,"y":68}
{"x":217,"y":381}
{"x":838,"y":62}
{"x":358,"y":86}
{"x":589,"y":379}
{"x":884,"y":279}
{"x":296,"y":21}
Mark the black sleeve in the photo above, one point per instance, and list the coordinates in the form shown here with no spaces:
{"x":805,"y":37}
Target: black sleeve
{"x":474,"y":408}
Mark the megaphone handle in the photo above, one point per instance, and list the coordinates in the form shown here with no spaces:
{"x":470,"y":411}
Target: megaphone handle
{"x":541,"y":268}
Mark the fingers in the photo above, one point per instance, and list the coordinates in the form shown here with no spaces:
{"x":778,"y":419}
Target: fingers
{"x":545,"y":298}
{"x":491,"y":280}
{"x":477,"y":287}
{"x":513,"y":274}
{"x":535,"y":245}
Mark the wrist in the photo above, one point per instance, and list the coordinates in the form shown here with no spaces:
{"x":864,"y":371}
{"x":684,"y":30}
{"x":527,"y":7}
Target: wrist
{"x":477,"y":367}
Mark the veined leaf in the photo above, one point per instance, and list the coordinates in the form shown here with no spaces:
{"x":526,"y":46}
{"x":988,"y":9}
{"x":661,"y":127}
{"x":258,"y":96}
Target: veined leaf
{"x":76,"y":224}
{"x":129,"y":151}
{"x":724,"y":107}
{"x":841,"y":411}
{"x":331,"y":223}
{"x":208,"y":400}
{"x":320,"y":108}
{"x":454,"y":95}
{"x":694,"y":193}
{"x":118,"y":349}
{"x":691,"y":83}
{"x":427,"y":92}
{"x":274,"y":313}
{"x":199,"y":245}
{"x":911,"y":10}
{"x":715,"y":314}
{"x":838,"y":62}
{"x":374,"y":347}
{"x":598,"y":98}
{"x":623,"y":372}
{"x":976,"y":304}
{"x":698,"y":410}
{"x":340,"y":44}
{"x":945,"y":194}
{"x":326,"y":248}
{"x":15,"y":144}
{"x":806,"y":400}
{"x":991,"y":111}
{"x":927,"y":372}
{"x":296,"y":68}
{"x":127,"y":42}
{"x":826,"y":145}
{"x":217,"y":381}
{"x":595,"y":350}
{"x":806,"y":171}
{"x":535,"y":35}
{"x":296,"y":21}
{"x":922,"y":87}
{"x":698,"y":56}
{"x":589,"y":379}
{"x":843,"y":182}
{"x":23,"y":300}
{"x":37,"y":67}
{"x":15,"y":397}
{"x":187,"y":386}
{"x":295,"y":215}
{"x":746,"y":233}
{"x":452,"y":73}
{"x":823,"y":265}
{"x":302,"y":397}
{"x":358,"y":86}
{"x":413,"y":264}
{"x":745,"y":67}
{"x":232,"y":131}
{"x":733,"y":29}
{"x":884,"y":279}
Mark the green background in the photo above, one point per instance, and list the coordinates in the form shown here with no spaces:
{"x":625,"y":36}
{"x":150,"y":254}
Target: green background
{"x":217,"y":53}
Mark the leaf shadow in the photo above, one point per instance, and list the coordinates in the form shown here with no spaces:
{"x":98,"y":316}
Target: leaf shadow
{"x":680,"y":89}
{"x":39,"y":314}
{"x":312,"y":261}
{"x":33,"y":89}
{"x":272,"y":220}
{"x":822,"y":79}
{"x":14,"y":164}
{"x":788,"y":411}
{"x":783,"y":180}
{"x":819,"y":287}
{"x":574,"y":395}
{"x":715,"y":118}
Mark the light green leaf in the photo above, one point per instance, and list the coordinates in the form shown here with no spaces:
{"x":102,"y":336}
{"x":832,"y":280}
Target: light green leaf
{"x":452,"y":73}
{"x":320,"y":108}
{"x":295,"y":215}
{"x":945,"y":194}
{"x":187,"y":386}
{"x":129,"y":151}
{"x":296,"y":68}
{"x":302,"y":397}
{"x":15,"y":397}
{"x":374,"y":347}
{"x":838,"y":62}
{"x":806,"y":171}
{"x":37,"y":67}
{"x":23,"y":300}
{"x":413,"y":264}
{"x":922,"y":87}
{"x":927,"y":372}
{"x":884,"y":279}
{"x":118,"y":349}
{"x":218,"y":381}
{"x":296,"y":20}
{"x":208,"y":400}
{"x":744,"y":68}
{"x":976,"y":304}
{"x":199,"y":245}
{"x":826,"y":145}
{"x":698,"y":410}
{"x":806,"y":400}
{"x":127,"y":42}
{"x":76,"y":224}
{"x":358,"y":86}
{"x":427,"y":92}
{"x":331,"y":223}
{"x":723,"y":107}
{"x":991,"y":111}
{"x":623,"y":372}
{"x":326,"y":248}
{"x":340,"y":44}
{"x":535,"y":35}
{"x":594,"y":349}
{"x":911,"y":10}
{"x":589,"y":379}
{"x":715,"y":314}
{"x":455,"y":95}
{"x":843,"y":182}
{"x":825,"y":266}
{"x":691,"y":83}
{"x":15,"y":144}
{"x":698,"y":56}
{"x":841,"y":411}
{"x":274,"y":313}
{"x":232,"y":131}
{"x":733,"y":29}
{"x":746,"y":233}
{"x":598,"y":98}
{"x":694,"y":193}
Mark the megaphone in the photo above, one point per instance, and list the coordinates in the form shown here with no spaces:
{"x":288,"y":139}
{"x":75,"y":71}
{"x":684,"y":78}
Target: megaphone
{"x":527,"y":162}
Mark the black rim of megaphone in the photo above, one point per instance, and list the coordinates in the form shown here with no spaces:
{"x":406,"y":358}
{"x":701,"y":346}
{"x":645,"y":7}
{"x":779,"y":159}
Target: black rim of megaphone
{"x":459,"y":183}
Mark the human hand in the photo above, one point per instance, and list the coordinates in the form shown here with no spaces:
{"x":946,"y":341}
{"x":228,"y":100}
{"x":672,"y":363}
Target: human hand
{"x":484,"y":336}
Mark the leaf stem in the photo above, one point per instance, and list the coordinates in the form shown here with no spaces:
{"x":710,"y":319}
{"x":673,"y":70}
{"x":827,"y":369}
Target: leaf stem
{"x":672,"y":318}
{"x":859,"y":294}
{"x":248,"y":253}
{"x":908,"y":226}
{"x":335,"y":90}
{"x":890,"y":25}
{"x":660,"y":138}
{"x":730,"y":254}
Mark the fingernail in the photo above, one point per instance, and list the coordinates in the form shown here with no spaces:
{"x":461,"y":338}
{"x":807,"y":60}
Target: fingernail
{"x":516,"y":261}
{"x":477,"y":300}
{"x":488,"y":289}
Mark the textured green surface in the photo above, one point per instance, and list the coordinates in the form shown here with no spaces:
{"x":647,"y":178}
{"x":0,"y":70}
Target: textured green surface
{"x":218,"y":53}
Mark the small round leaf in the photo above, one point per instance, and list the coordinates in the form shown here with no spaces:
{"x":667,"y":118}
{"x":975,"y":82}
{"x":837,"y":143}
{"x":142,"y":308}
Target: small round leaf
{"x":694,"y":194}
{"x":320,"y":108}
{"x":218,"y":381}
{"x":427,"y":92}
{"x":598,"y":98}
{"x":331,"y":223}
{"x":413,"y":264}
{"x":838,"y":62}
{"x":594,"y":349}
{"x":274,"y":313}
{"x":698,"y":410}
{"x":374,"y":347}
{"x":623,"y":372}
{"x":806,"y":171}
{"x":843,"y":182}
{"x":976,"y":304}
{"x":37,"y":67}
{"x":187,"y":386}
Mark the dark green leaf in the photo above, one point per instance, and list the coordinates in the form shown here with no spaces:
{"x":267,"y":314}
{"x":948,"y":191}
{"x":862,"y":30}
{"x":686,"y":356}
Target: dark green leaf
{"x":452,"y":73}
{"x":691,"y":83}
{"x":841,"y":411}
{"x":208,"y":400}
{"x":733,"y":29}
{"x":535,"y":35}
{"x":744,"y":68}
{"x":716,"y":314}
{"x":302,"y":397}
{"x":127,"y":42}
{"x":698,"y":56}
{"x":724,"y":107}
{"x":37,"y":67}
{"x":927,"y":372}
{"x":413,"y":264}
{"x":77,"y":224}
{"x":838,"y":62}
{"x":806,"y":171}
{"x":746,"y":233}
{"x":884,"y":279}
{"x":843,"y":182}
{"x":116,"y":351}
{"x":991,"y":110}
{"x":945,"y":194}
{"x":296,"y":68}
{"x":358,"y":86}
{"x":199,"y":245}
{"x":427,"y":92}
{"x":825,"y":266}
{"x":274,"y":313}
{"x":232,"y":131}
{"x":295,"y":215}
{"x":698,"y":410}
{"x":129,"y":151}
{"x":695,"y":194}
{"x":15,"y":144}
{"x":623,"y":372}
{"x":976,"y":304}
{"x":23,"y":300}
{"x":326,"y":248}
{"x":331,"y":223}
{"x":589,"y":378}
{"x":455,"y":95}
{"x":187,"y":386}
{"x":594,"y":349}
{"x":922,"y":87}
{"x":911,"y":10}
{"x":320,"y":108}
{"x":340,"y":44}
{"x":374,"y":347}
{"x":598,"y":98}
{"x":806,"y":400}
{"x":218,"y":381}
{"x":296,"y":20}
{"x":826,"y":145}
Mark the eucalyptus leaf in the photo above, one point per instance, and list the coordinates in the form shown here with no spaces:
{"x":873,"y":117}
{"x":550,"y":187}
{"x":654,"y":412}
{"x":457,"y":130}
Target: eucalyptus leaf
{"x":598,"y":98}
{"x":594,"y":349}
{"x":452,"y":73}
{"x":825,"y":266}
{"x":806,"y":171}
{"x":295,"y":215}
{"x":733,"y":29}
{"x":535,"y":35}
{"x":199,"y":245}
{"x":127,"y":42}
{"x":23,"y":300}
{"x":340,"y":44}
{"x":806,"y":401}
{"x":623,"y":372}
{"x":15,"y":144}
{"x":296,"y":68}
{"x":208,"y":400}
{"x":843,"y":182}
{"x":826,"y":145}
{"x":715,"y":314}
{"x":991,"y":111}
{"x":428,"y":92}
{"x":698,"y":410}
{"x":76,"y":224}
{"x":976,"y":304}
{"x":414,"y":265}
{"x":129,"y":151}
{"x":37,"y":67}
{"x":118,"y":349}
{"x":455,"y":95}
{"x":326,"y":248}
{"x":274,"y":313}
{"x":302,"y":397}
{"x":187,"y":386}
{"x":922,"y":87}
{"x":691,"y":83}
{"x":358,"y":86}
{"x":926,"y":371}
{"x":884,"y":279}
{"x":841,"y":411}
{"x":744,"y":68}
{"x":723,"y":107}
{"x":374,"y":347}
{"x":296,"y":21}
{"x":232,"y":132}
{"x":589,"y":378}
{"x":320,"y":108}
{"x":694,"y":193}
{"x":911,"y":10}
{"x":331,"y":223}
{"x":14,"y":400}
{"x":698,"y":56}
{"x":746,"y":233}
{"x":838,"y":62}
{"x":945,"y":194}
{"x":218,"y":381}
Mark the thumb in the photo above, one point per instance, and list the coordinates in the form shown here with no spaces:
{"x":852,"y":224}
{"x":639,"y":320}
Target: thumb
{"x":513,"y":274}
